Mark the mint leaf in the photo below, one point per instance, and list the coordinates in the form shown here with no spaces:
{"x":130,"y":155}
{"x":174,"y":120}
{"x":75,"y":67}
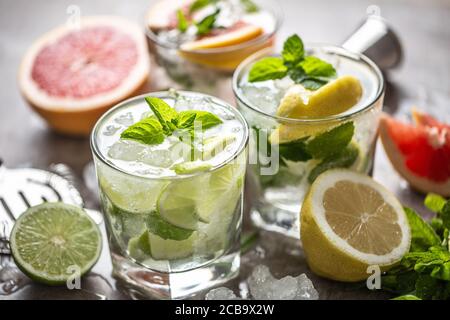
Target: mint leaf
{"x":422,"y":234}
{"x":267,"y":69}
{"x":158,"y":226}
{"x":407,"y":297}
{"x":318,"y":69}
{"x":343,"y":159}
{"x":445,"y":214}
{"x":295,"y":150}
{"x":430,"y":288}
{"x":313,"y":84}
{"x":331,"y":142}
{"x":182,"y":21}
{"x":200,"y":4}
{"x":293,"y":50}
{"x":147,"y":131}
{"x":249,"y":6}
{"x":401,"y":283}
{"x":207,"y":23}
{"x":434,"y":202}
{"x":163,"y":112}
{"x":187,"y":119}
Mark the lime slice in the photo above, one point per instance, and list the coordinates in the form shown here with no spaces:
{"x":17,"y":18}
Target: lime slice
{"x":191,"y":167}
{"x":50,"y":239}
{"x":212,"y":146}
{"x":167,"y":249}
{"x":139,"y":247}
{"x":222,"y":193}
{"x":176,"y":203}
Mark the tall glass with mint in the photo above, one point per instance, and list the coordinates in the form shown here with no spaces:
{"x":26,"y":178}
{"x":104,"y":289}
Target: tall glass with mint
{"x":309,"y":110}
{"x":171,"y":169}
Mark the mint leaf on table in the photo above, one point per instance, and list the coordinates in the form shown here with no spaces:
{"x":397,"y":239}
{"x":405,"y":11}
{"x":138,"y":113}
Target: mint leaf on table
{"x":158,"y":226}
{"x":293,"y":50}
{"x":331,"y":142}
{"x":342,"y":159}
{"x":434,"y":202}
{"x":407,"y":297}
{"x":164,"y":113}
{"x":249,"y":6}
{"x":435,"y":262}
{"x":422,"y":234}
{"x":295,"y":150}
{"x":269,"y":68}
{"x":187,"y":119}
{"x":207,"y":23}
{"x":444,"y":214}
{"x":182,"y":21}
{"x":147,"y":131}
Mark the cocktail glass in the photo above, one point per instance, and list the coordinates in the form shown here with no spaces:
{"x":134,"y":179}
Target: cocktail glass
{"x":170,"y":235}
{"x":280,"y":184}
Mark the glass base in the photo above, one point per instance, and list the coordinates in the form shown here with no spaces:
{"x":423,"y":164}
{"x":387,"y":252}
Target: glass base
{"x":281,"y":220}
{"x":176,"y":285}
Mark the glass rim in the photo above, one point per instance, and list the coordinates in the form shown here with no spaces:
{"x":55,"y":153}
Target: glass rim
{"x":329,"y":49}
{"x":277,"y":14}
{"x":159,"y":94}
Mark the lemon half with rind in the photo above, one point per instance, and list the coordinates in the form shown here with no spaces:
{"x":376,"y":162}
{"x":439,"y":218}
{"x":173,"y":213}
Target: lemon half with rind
{"x":350,"y":222}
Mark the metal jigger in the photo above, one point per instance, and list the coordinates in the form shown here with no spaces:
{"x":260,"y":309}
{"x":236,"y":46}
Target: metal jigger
{"x":375,"y":39}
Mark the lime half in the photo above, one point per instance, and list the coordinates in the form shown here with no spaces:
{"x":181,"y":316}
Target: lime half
{"x":52,"y":242}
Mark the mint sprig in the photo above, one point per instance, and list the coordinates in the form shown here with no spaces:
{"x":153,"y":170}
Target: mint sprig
{"x":183,"y":23}
{"x":165,"y":121}
{"x":207,"y":23}
{"x":309,"y":71}
{"x":424,"y":272}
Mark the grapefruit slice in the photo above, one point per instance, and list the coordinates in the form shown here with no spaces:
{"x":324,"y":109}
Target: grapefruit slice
{"x":420,"y":153}
{"x":71,"y":76}
{"x":207,"y":50}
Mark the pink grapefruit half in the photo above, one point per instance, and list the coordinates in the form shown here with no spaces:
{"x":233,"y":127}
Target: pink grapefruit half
{"x":419,"y":152}
{"x":71,"y":76}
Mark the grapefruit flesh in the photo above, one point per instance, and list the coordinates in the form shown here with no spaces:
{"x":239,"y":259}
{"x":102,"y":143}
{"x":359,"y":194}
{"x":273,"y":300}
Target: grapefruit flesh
{"x":70,"y":76}
{"x":419,"y":152}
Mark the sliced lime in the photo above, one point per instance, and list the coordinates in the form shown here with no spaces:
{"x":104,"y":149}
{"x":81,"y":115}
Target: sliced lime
{"x":212,"y":146}
{"x":222,"y":192}
{"x":52,"y":241}
{"x":176,"y":203}
{"x":139,"y":247}
{"x":157,"y":225}
{"x":166,"y":249}
{"x":191,"y":167}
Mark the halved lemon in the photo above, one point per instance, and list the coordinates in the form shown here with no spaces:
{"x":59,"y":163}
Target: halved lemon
{"x":350,"y":222}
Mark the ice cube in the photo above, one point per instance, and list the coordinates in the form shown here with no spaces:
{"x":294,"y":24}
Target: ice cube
{"x":125,"y":119}
{"x":265,"y":95}
{"x":126,"y":150}
{"x":263,"y":286}
{"x":161,"y":158}
{"x":221,"y":293}
{"x":110,"y":130}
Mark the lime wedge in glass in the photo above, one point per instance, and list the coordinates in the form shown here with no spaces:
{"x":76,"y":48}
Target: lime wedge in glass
{"x":139,"y":247}
{"x":167,"y":249}
{"x":52,"y":241}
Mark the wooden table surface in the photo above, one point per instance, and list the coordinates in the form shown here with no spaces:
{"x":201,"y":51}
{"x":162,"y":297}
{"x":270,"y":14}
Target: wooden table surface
{"x":423,"y":80}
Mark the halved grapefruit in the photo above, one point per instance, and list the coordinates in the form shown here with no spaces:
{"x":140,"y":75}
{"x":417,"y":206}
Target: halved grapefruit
{"x":420,"y":152}
{"x":71,"y":76}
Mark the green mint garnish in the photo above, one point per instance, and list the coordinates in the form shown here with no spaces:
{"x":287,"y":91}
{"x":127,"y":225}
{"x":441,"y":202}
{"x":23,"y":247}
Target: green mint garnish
{"x":187,"y":119}
{"x":164,"y":113}
{"x":267,"y":69}
{"x":200,"y":4}
{"x":158,"y":226}
{"x":342,"y":159}
{"x":249,"y":6}
{"x":182,"y":21}
{"x":331,"y":142}
{"x":147,"y":131}
{"x":424,"y":272}
{"x":207,"y":24}
{"x":166,"y":120}
{"x":309,"y":71}
{"x":295,"y":150}
{"x":293,"y":51}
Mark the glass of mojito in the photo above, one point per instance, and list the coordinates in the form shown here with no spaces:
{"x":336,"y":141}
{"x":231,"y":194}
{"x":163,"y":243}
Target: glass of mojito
{"x":170,"y":168}
{"x":201,"y":42}
{"x":309,"y":110}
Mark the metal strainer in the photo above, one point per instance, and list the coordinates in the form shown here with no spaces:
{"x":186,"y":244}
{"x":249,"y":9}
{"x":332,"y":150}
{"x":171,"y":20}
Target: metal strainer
{"x":24,"y":187}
